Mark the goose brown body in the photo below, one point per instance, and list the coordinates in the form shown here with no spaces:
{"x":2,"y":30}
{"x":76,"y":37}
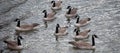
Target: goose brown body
{"x":84,"y":45}
{"x":82,"y":22}
{"x":82,"y":35}
{"x":27,"y":27}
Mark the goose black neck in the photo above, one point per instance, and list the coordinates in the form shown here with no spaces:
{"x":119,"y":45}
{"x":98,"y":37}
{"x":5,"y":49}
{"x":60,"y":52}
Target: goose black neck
{"x":53,"y":4}
{"x":77,"y":20}
{"x":69,"y":11}
{"x":45,"y":14}
{"x":93,"y":41}
{"x":56,"y":29}
{"x":18,"y":23}
{"x":77,"y":32}
{"x":18,"y":41}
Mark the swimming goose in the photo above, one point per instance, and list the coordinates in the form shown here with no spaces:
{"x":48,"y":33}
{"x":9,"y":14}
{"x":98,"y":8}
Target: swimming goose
{"x":25,"y":27}
{"x":84,"y":45}
{"x":81,"y":35}
{"x":60,"y":31}
{"x":14,"y":45}
{"x":49,"y":16}
{"x":72,"y":12}
{"x":56,"y":5}
{"x":82,"y":22}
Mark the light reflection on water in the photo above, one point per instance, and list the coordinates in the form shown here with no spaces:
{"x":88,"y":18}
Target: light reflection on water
{"x":104,"y":22}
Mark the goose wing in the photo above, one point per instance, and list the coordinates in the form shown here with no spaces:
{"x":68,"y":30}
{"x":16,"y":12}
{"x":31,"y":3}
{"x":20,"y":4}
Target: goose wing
{"x":83,"y":45}
{"x":62,"y":29}
{"x":13,"y":43}
{"x":83,"y":33}
{"x":83,"y":21}
{"x":26,"y":26}
{"x":50,"y":15}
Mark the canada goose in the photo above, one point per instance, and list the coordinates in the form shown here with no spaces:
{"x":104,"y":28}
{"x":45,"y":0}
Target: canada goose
{"x":25,"y":27}
{"x":81,"y":35}
{"x":84,"y":45}
{"x":14,"y":45}
{"x":60,"y":31}
{"x":56,"y":5}
{"x":82,"y":22}
{"x":72,"y":12}
{"x":49,"y":16}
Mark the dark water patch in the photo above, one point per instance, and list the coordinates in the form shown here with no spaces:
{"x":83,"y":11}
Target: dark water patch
{"x":6,"y":6}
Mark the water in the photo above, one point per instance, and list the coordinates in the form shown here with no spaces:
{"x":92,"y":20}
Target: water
{"x":105,"y":23}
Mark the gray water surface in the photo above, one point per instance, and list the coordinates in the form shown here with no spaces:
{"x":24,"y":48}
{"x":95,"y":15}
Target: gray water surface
{"x":105,"y":23}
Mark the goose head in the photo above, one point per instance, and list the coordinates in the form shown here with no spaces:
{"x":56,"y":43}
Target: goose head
{"x":44,"y":11}
{"x":93,"y":39}
{"x":52,"y":1}
{"x":17,"y":20}
{"x":68,"y":7}
{"x":19,"y":40}
{"x":53,"y":5}
{"x":77,"y":18}
{"x":89,"y":19}
{"x":77,"y":32}
{"x":95,"y":36}
{"x":57,"y":26}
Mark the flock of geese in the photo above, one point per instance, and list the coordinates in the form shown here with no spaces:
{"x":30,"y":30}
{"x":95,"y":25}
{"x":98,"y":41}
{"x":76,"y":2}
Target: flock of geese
{"x":60,"y":31}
